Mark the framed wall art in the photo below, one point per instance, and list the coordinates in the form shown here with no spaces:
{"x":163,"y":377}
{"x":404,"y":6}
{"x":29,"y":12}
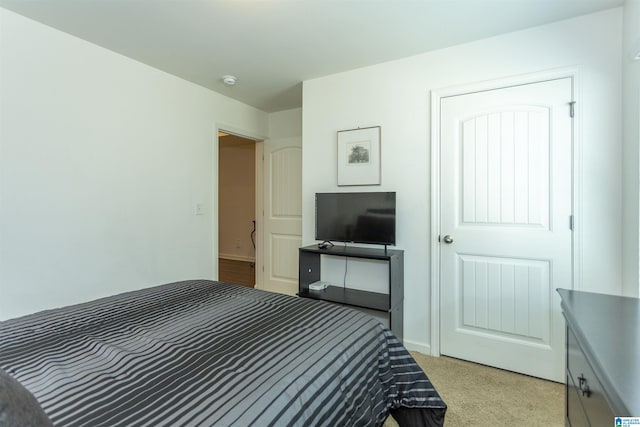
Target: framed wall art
{"x":359,"y":156}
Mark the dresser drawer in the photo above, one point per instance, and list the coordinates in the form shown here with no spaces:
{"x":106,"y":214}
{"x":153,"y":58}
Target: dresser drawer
{"x":589,"y":390}
{"x":575,"y":413}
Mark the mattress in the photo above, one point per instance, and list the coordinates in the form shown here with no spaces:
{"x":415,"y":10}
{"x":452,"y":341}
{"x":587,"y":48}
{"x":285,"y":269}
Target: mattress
{"x":204,"y":353}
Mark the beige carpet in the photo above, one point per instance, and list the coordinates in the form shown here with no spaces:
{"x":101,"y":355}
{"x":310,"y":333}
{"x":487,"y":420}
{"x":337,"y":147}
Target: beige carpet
{"x":477,"y":395}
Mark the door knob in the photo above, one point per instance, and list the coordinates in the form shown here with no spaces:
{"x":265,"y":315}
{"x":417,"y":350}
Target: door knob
{"x":448,"y":239}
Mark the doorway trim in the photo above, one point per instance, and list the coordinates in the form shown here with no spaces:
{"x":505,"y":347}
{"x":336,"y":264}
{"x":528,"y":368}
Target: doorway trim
{"x":576,"y":175}
{"x":215,"y":217}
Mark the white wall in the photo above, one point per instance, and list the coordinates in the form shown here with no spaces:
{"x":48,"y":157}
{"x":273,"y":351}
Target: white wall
{"x":396,"y":96}
{"x":631,"y":159}
{"x":285,"y":124}
{"x":102,"y":160}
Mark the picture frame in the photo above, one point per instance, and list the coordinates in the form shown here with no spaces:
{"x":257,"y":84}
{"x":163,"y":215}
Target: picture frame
{"x":359,"y":160}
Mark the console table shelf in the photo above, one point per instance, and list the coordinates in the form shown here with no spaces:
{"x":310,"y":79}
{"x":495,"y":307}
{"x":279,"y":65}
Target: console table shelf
{"x":354,"y":297}
{"x":390,"y":304}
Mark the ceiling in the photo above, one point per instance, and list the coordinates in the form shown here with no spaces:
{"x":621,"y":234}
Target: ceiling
{"x":271,"y":46}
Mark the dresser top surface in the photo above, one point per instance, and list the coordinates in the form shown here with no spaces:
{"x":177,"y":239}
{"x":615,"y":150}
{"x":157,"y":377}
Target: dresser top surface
{"x":608,"y":329}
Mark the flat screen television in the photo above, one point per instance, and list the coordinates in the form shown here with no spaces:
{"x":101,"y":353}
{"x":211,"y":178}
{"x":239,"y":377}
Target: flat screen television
{"x":356,"y":217}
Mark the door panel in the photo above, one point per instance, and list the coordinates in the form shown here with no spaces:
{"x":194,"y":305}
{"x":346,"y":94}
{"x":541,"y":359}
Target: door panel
{"x":506,"y":296}
{"x":506,"y":203}
{"x":505,"y":176}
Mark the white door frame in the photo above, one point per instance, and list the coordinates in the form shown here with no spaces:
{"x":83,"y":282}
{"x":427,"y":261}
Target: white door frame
{"x":436,"y":97}
{"x":230,"y":129}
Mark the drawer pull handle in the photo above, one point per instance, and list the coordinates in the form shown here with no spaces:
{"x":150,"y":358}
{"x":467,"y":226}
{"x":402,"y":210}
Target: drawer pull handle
{"x":584,"y":388}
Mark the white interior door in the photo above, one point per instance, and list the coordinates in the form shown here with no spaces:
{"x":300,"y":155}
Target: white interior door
{"x":282,"y":216}
{"x":505,"y":236}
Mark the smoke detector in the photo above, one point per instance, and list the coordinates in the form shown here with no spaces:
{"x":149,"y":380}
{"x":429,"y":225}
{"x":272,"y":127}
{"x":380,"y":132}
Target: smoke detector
{"x":229,"y":80}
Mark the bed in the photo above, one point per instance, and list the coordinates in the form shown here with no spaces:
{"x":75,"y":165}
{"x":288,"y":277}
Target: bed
{"x":208,"y":353}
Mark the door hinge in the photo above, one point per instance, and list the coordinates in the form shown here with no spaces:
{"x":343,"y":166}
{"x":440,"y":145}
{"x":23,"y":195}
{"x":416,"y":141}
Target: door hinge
{"x":572,"y":109}
{"x":571,"y":222}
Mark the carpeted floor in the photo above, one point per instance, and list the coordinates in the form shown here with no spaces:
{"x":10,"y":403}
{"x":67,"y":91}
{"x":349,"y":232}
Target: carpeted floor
{"x":478,"y":395}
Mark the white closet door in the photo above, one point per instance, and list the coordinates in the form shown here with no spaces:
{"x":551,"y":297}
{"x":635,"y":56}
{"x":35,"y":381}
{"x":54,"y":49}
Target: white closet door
{"x":505,"y":226}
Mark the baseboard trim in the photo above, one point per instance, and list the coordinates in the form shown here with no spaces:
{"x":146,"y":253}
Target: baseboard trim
{"x":416,"y":346}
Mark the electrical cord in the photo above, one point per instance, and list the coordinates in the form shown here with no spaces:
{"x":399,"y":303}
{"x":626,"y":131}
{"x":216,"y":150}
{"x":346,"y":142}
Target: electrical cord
{"x":346,"y":264}
{"x":253,"y":242}
{"x":253,"y":232}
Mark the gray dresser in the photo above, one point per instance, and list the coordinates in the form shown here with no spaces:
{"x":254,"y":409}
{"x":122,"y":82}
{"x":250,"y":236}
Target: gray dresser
{"x":603,"y":357}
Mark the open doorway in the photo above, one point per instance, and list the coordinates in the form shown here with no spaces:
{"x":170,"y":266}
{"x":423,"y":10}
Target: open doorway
{"x":236,"y":209}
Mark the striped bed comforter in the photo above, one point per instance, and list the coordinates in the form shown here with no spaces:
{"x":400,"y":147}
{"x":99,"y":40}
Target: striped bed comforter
{"x":213,"y":354}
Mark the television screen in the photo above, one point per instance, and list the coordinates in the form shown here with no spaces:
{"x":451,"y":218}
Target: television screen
{"x":356,"y":217}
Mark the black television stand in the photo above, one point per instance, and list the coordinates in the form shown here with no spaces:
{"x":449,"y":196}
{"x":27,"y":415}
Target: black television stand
{"x":388,"y":304}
